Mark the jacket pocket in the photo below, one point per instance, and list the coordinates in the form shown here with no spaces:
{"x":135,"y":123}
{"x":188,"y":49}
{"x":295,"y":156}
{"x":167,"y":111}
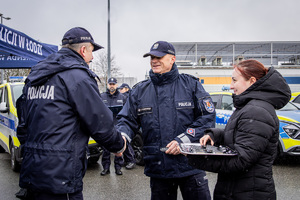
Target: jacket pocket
{"x":152,"y":159}
{"x":145,"y":113}
{"x":49,"y":170}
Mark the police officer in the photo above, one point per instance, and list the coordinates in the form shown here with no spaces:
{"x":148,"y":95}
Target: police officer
{"x":128,"y":155}
{"x":115,"y":101}
{"x":58,"y":115}
{"x":170,"y":108}
{"x":125,"y":89}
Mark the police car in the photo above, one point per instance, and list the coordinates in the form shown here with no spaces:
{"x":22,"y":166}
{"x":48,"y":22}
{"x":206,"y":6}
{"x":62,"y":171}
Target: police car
{"x":296,"y":101}
{"x":9,"y":93}
{"x":289,"y":126}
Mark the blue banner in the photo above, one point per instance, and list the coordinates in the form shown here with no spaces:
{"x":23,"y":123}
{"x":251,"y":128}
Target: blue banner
{"x":9,"y":61}
{"x":21,"y":51}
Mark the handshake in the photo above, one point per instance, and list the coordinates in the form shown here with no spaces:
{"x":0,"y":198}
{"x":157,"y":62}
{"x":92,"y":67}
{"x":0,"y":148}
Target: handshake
{"x":120,"y":153}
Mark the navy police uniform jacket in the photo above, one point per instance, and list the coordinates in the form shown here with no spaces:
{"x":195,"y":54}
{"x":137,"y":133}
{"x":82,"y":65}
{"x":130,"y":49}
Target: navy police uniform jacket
{"x":114,"y":101}
{"x":170,"y":106}
{"x":61,"y":109}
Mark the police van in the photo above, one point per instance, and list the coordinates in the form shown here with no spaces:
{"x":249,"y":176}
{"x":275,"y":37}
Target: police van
{"x":9,"y":93}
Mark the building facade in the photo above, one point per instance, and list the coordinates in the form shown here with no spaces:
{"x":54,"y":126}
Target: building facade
{"x":212,"y":62}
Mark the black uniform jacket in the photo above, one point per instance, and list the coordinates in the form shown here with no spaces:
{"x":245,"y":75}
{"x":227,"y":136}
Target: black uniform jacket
{"x":60,"y":110}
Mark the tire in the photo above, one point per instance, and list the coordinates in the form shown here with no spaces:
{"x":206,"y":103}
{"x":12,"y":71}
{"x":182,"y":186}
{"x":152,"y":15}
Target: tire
{"x":95,"y":153}
{"x":137,"y":145}
{"x":15,"y":165}
{"x":93,"y":161}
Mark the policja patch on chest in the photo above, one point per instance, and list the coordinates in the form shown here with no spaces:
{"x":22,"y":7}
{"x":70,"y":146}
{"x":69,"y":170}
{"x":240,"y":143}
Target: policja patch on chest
{"x":184,"y":104}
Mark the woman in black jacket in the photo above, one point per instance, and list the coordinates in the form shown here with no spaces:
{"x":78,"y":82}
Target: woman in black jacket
{"x":252,"y":130}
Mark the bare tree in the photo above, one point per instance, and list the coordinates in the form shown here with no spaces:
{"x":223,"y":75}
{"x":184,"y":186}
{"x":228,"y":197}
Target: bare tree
{"x":99,"y":66}
{"x":15,"y":72}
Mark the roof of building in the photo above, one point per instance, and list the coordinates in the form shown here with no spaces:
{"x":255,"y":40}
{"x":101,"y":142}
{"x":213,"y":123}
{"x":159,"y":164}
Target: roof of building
{"x":271,"y":52}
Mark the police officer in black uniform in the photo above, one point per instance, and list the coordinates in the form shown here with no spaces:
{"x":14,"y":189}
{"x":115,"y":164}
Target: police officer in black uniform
{"x":125,"y":89}
{"x":170,"y":108}
{"x":115,"y":101}
{"x":57,"y":116}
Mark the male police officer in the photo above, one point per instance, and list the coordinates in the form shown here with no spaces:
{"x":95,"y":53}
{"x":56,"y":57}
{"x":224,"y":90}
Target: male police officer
{"x":59,"y":110}
{"x":115,"y":101}
{"x":170,"y":108}
{"x":124,"y":89}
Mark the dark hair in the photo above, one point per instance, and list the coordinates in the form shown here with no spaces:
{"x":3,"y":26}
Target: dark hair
{"x":251,"y":68}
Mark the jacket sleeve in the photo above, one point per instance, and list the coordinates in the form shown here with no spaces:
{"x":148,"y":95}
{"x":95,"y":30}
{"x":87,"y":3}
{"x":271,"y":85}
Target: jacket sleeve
{"x":216,"y":134}
{"x":128,"y":123}
{"x":22,"y":126}
{"x":94,"y":115}
{"x":204,"y":116}
{"x":252,"y":137}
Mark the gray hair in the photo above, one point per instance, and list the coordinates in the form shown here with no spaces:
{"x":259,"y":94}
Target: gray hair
{"x":77,"y":46}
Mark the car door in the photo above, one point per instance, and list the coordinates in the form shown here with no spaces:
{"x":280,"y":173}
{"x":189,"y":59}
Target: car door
{"x":4,"y":120}
{"x":224,"y":108}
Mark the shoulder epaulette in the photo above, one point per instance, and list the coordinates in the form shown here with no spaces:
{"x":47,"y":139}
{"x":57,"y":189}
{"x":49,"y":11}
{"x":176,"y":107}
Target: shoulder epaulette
{"x":139,"y":83}
{"x":191,"y":76}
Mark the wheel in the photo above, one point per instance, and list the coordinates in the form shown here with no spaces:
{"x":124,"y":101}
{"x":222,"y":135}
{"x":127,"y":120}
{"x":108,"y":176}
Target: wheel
{"x":13,"y":160}
{"x":94,"y":160}
{"x":137,"y":145}
{"x":95,"y":153}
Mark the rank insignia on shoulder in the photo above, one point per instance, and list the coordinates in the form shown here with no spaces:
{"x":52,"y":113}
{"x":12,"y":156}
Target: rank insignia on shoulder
{"x":191,"y":131}
{"x":209,"y":106}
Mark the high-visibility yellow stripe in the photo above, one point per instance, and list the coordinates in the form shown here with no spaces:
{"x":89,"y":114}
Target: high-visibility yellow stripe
{"x":4,"y":139}
{"x":92,"y":142}
{"x":288,"y":143}
{"x":286,"y":119}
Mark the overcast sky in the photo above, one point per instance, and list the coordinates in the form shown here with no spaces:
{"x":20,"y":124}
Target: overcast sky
{"x":137,"y":24}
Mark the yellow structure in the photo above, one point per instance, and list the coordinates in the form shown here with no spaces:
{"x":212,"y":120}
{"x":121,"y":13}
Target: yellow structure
{"x":215,"y":80}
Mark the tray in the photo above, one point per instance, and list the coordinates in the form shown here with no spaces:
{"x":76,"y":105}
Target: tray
{"x":197,"y":149}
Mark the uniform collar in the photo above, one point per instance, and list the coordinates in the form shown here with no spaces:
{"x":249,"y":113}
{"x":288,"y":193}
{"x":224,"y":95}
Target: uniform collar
{"x":165,"y":78}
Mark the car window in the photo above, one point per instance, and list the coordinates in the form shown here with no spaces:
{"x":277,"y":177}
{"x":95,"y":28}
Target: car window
{"x":227,"y":103}
{"x":1,"y":93}
{"x":215,"y":98}
{"x":16,"y":92}
{"x":6,"y":96}
{"x":289,"y":107}
{"x":297,"y":99}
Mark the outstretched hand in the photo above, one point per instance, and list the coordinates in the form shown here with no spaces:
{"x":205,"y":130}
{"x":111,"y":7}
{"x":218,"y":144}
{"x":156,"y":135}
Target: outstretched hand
{"x":121,"y":153}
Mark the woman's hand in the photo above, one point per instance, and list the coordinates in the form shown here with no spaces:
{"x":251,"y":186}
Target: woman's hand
{"x":205,"y":139}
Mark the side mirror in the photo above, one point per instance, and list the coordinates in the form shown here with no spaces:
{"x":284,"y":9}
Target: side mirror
{"x":3,"y":107}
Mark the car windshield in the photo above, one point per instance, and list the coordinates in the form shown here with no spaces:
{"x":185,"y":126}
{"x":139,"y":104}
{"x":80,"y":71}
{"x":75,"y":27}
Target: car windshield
{"x":289,"y":107}
{"x":16,"y":92}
